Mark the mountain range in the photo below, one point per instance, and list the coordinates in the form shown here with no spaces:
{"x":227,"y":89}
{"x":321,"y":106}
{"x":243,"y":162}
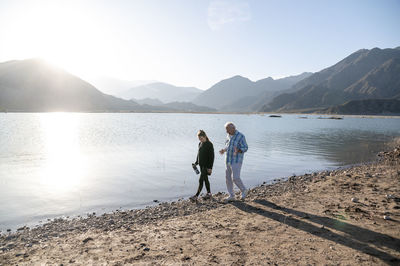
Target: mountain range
{"x":363,"y":75}
{"x":36,"y":86}
{"x":164,"y":92}
{"x":241,"y":94}
{"x":367,"y":81}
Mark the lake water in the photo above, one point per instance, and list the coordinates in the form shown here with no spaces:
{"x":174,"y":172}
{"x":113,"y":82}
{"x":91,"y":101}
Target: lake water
{"x":68,"y":164}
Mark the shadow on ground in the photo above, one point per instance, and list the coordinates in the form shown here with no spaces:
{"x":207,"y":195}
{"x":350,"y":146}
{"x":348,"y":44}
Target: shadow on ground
{"x":357,"y":238}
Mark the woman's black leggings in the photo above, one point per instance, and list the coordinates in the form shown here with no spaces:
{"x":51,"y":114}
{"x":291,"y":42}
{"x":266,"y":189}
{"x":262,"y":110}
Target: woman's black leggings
{"x":203,"y":178}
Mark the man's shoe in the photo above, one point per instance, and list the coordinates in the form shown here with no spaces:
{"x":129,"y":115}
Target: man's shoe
{"x":244,"y":194}
{"x":230,"y":199}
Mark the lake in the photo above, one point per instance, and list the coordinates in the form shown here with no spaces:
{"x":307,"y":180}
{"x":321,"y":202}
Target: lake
{"x":68,"y":164}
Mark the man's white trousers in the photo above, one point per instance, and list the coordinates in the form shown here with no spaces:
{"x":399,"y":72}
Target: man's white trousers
{"x":233,"y":174}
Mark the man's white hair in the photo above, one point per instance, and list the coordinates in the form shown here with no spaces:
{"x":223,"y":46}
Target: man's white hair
{"x":230,"y":124}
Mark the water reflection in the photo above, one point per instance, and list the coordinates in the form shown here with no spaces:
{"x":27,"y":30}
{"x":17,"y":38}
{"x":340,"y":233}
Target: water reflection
{"x":64,"y":164}
{"x":339,"y":146}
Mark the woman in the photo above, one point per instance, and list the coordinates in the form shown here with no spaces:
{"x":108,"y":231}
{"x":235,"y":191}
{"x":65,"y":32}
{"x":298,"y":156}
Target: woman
{"x":205,"y":158}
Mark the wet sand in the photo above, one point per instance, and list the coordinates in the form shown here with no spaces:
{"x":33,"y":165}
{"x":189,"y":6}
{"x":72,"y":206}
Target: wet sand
{"x":344,"y":217}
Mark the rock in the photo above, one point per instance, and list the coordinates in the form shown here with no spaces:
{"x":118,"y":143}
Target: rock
{"x":354,"y":200}
{"x":87,"y":239}
{"x":155,"y":201}
{"x":387,"y":217}
{"x":146,"y":249}
{"x":8,"y":230}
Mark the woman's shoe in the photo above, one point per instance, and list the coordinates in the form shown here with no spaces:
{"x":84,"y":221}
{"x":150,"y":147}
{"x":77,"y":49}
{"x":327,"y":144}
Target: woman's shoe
{"x":193,"y":198}
{"x":207,"y":196}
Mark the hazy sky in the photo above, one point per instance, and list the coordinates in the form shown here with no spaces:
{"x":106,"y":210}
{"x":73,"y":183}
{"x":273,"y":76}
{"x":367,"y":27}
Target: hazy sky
{"x":194,"y":42}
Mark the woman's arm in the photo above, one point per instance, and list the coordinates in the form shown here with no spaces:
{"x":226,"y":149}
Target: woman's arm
{"x":211,"y":156}
{"x":197,"y":157}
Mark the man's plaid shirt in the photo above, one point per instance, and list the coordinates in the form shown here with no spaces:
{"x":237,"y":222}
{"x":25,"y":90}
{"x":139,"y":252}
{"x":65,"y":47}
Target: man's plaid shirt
{"x":236,"y":140}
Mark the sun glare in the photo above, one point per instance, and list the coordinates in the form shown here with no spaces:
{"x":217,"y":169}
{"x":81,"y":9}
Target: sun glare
{"x":64,"y":164}
{"x":62,"y":34}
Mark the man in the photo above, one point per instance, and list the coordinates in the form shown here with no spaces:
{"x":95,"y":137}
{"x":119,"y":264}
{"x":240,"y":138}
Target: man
{"x":235,"y":147}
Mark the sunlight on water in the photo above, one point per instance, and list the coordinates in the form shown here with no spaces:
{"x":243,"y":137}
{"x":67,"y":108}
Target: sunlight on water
{"x":64,"y":166}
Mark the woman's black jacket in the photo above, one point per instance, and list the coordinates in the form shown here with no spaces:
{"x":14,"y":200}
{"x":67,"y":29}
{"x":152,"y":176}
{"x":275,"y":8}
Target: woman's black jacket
{"x":205,"y":155}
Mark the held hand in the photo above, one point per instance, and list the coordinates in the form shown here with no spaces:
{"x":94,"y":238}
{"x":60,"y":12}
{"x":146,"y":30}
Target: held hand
{"x":235,"y":151}
{"x":222,"y":151}
{"x":209,"y":171}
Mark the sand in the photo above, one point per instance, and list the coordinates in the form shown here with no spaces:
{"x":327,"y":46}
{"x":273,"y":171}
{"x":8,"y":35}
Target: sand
{"x":343,"y":217}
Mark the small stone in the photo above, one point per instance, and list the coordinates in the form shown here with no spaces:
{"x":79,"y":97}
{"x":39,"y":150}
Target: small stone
{"x":354,"y":200}
{"x":155,"y":201}
{"x":387,"y":217}
{"x":146,"y":249}
{"x":8,"y":230}
{"x":87,"y":239}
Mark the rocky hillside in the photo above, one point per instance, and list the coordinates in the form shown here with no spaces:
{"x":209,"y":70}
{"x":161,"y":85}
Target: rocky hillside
{"x":365,"y":74}
{"x":366,"y":107}
{"x":36,"y":86}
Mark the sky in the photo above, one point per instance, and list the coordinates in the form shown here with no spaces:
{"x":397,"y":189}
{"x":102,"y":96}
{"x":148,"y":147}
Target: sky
{"x":194,"y":42}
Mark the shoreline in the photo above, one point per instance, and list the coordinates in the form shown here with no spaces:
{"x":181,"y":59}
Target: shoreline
{"x":213,"y":113}
{"x":37,"y":223}
{"x":350,"y":199}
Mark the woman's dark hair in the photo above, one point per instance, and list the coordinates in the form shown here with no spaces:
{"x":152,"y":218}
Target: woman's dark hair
{"x":201,"y":133}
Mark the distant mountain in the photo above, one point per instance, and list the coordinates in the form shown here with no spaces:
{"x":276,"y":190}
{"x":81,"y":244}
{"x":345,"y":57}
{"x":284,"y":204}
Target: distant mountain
{"x":149,"y":101}
{"x":176,"y":106}
{"x":365,"y":74}
{"x":116,"y":87}
{"x":188,"y":107}
{"x":34,"y":85}
{"x":366,"y":107}
{"x":270,"y":87}
{"x":241,"y":94}
{"x":163,"y":92}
